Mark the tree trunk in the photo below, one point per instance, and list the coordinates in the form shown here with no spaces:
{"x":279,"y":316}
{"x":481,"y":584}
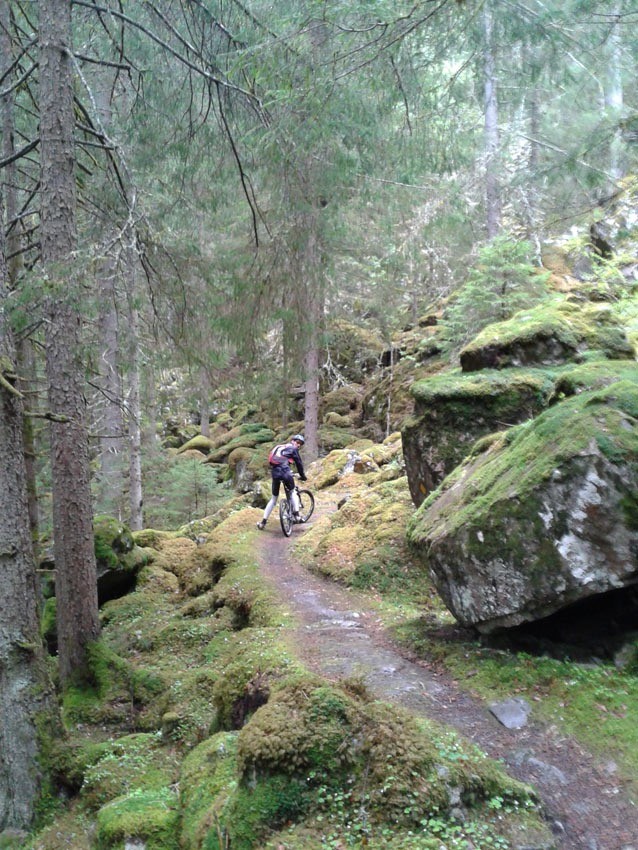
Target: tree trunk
{"x":24,"y":687}
{"x":204,"y":403}
{"x":313,"y":314}
{"x":614,"y":98}
{"x":9,"y":191}
{"x":76,"y":583}
{"x":112,"y":421}
{"x":492,"y":189}
{"x":136,"y":499}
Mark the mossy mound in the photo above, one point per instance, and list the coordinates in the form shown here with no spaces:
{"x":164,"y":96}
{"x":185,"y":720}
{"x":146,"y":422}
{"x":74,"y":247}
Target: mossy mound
{"x":344,"y":401}
{"x":197,"y":529}
{"x":151,"y":538}
{"x":307,"y":742}
{"x":133,"y":763}
{"x":362,"y":456}
{"x":355,"y":350}
{"x":112,"y":538}
{"x":331,"y":438}
{"x":122,"y":690}
{"x":182,"y":557}
{"x":544,"y":517}
{"x":229,"y":552}
{"x":117,"y":559}
{"x":251,"y":661}
{"x":148,"y":819}
{"x":201,"y":444}
{"x":248,"y":437}
{"x":363,"y":544}
{"x":208,"y":778}
{"x":551,"y":333}
{"x":453,"y":410}
{"x":593,"y":376}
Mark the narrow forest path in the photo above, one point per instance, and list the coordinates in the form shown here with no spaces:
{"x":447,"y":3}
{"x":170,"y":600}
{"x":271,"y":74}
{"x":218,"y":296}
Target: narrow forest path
{"x":339,"y":637}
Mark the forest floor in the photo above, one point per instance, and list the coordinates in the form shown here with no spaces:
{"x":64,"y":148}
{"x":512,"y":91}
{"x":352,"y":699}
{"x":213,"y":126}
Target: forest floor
{"x":340,"y":635}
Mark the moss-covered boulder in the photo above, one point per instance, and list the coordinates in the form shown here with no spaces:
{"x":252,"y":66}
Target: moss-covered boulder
{"x":246,"y":436}
{"x":452,"y":411}
{"x":308,"y":742}
{"x":544,"y":517}
{"x":355,"y":351}
{"x":344,"y":400}
{"x":208,"y":779}
{"x":248,"y":466}
{"x":118,"y":559}
{"x":198,"y":443}
{"x":148,"y":819}
{"x":551,"y":333}
{"x":363,"y":543}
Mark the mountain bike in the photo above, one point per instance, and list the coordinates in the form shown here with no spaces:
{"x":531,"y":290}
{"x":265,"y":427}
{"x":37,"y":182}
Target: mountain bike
{"x":305,"y":502}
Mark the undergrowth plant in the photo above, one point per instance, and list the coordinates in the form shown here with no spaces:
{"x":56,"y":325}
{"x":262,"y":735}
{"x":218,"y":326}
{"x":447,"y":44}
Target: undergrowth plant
{"x":502,"y":282}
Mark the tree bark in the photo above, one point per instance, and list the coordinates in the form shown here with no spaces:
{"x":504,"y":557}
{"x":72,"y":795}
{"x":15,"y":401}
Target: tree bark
{"x":492,"y":188}
{"x":136,"y":500}
{"x":614,"y":97}
{"x":76,"y":583}
{"x":312,"y":287}
{"x":24,"y":686}
{"x":9,"y":191}
{"x":204,"y":403}
{"x":112,"y":421}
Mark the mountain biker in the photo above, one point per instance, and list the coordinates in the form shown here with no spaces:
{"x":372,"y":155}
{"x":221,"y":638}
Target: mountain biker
{"x":281,"y":458}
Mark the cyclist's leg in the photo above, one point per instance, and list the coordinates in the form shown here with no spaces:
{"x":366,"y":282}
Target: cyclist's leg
{"x":289,"y":484}
{"x":276,"y":484}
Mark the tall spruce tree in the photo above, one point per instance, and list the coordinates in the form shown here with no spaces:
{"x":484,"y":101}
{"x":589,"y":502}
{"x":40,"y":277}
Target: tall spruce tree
{"x":76,"y":581}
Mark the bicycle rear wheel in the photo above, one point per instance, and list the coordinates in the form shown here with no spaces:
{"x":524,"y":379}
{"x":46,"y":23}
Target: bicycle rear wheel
{"x":307,"y":504}
{"x":285,"y":517}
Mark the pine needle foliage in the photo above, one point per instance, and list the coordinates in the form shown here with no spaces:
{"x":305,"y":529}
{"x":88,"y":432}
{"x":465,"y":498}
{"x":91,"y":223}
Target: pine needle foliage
{"x":502,"y":282}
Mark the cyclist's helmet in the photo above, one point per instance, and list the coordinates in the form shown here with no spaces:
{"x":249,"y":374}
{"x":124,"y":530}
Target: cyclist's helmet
{"x":299,"y":438}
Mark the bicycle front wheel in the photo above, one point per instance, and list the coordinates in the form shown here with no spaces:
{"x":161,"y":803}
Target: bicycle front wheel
{"x":285,"y":517}
{"x":306,"y":504}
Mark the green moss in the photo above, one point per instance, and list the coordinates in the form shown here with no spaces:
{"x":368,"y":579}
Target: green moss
{"x":554,"y":331}
{"x":118,"y":688}
{"x":250,"y":662}
{"x":150,"y":816}
{"x":116,"y":768}
{"x":595,"y":375}
{"x":151,"y":538}
{"x":112,"y":540}
{"x":256,"y":810}
{"x":208,"y":778}
{"x":48,"y":623}
{"x":501,"y":390}
{"x":244,"y":439}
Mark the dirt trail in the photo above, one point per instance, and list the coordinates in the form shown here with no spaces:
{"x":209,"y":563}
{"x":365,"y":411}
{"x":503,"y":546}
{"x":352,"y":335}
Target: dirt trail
{"x":337,"y":637}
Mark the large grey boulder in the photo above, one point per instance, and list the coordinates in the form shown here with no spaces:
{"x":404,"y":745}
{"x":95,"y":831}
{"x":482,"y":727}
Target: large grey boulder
{"x":452,"y":411}
{"x":544,"y":517}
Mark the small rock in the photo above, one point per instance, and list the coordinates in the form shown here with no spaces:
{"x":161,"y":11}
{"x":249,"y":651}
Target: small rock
{"x":512,"y":713}
{"x":551,"y":774}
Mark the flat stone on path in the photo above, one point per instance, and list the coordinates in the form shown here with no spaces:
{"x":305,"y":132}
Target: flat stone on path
{"x":512,"y":713}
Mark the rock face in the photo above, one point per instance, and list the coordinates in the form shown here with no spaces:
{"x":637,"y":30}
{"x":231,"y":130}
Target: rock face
{"x":547,"y":335}
{"x":452,"y":411}
{"x":546,"y":516}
